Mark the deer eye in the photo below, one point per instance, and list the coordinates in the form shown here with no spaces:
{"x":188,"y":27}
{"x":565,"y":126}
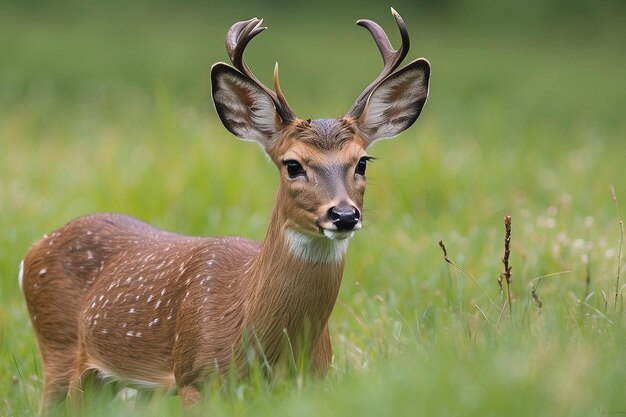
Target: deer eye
{"x":294,"y":168}
{"x":361,"y":166}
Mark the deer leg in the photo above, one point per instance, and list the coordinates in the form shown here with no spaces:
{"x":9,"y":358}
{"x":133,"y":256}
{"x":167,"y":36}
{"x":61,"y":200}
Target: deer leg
{"x":190,"y":395}
{"x":322,"y":354}
{"x":187,"y":375}
{"x":58,"y":367}
{"x":79,"y":376}
{"x":55,"y":390}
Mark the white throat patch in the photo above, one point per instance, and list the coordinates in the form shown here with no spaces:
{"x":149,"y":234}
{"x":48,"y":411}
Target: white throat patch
{"x":316,"y":249}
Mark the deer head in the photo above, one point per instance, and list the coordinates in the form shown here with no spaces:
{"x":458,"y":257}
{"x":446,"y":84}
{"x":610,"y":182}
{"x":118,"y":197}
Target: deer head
{"x":322,"y":162}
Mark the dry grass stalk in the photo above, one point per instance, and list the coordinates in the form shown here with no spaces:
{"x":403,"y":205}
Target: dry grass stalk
{"x":621,"y":243}
{"x":450,"y":262}
{"x":505,"y":260}
{"x":445,"y":252}
{"x":533,"y":293}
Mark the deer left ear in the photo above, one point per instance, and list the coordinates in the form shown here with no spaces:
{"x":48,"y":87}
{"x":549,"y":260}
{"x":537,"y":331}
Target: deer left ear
{"x":396,"y":103}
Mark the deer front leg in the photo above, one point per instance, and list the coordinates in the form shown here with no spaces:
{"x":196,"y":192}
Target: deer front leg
{"x":187,"y":377}
{"x":322,"y":353}
{"x":190,"y":395}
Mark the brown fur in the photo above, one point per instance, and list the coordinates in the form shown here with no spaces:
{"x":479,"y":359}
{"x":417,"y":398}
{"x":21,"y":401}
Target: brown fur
{"x":110,"y":293}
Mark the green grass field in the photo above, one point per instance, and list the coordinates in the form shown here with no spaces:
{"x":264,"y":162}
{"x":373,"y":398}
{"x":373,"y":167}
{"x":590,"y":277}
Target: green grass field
{"x":107,"y":108}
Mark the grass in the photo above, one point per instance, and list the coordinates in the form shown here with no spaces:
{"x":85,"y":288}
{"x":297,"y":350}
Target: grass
{"x":107,"y":108}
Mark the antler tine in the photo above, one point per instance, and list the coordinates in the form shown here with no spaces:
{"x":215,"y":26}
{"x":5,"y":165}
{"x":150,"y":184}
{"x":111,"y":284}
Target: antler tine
{"x":392,"y":58}
{"x":279,"y":92}
{"x":238,"y":37}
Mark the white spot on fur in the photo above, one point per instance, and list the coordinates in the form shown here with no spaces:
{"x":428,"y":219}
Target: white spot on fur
{"x":42,"y":271}
{"x":20,"y":276}
{"x":316,"y":248}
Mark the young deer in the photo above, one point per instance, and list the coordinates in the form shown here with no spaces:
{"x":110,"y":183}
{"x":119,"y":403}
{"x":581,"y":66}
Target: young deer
{"x":112,"y":295}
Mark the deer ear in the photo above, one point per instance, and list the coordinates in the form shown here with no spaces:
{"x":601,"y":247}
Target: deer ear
{"x":244,"y":108}
{"x":396,"y":103}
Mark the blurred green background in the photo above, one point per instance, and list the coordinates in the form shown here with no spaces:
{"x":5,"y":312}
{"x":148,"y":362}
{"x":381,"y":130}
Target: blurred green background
{"x":105,"y":106}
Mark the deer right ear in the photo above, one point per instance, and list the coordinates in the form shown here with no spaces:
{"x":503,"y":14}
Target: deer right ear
{"x":244,"y":108}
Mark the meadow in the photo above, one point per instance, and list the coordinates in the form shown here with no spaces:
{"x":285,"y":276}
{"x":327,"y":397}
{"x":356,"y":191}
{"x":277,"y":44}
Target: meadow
{"x":106,"y":107}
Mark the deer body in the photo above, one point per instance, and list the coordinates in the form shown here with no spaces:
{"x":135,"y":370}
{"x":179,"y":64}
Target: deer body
{"x":109,"y":294}
{"x":184,"y":300}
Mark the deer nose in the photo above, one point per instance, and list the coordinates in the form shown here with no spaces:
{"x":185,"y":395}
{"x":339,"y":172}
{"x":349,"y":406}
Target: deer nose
{"x":344,"y":217}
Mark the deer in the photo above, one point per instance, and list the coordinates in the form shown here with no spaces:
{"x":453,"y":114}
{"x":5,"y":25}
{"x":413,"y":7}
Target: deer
{"x":111,"y":296}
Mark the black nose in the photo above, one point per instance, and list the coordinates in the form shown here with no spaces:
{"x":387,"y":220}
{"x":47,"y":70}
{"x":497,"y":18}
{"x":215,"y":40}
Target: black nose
{"x":344,"y":217}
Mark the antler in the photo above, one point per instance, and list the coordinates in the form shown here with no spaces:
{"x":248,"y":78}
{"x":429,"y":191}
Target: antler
{"x":392,"y":58}
{"x":238,"y":37}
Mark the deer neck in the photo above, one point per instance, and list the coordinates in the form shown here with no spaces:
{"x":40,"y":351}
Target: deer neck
{"x":293,"y":286}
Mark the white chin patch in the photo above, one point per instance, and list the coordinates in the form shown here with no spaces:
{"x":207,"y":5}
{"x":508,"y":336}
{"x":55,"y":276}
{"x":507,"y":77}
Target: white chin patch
{"x":20,"y":277}
{"x":315,"y":249}
{"x":337,"y":235}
